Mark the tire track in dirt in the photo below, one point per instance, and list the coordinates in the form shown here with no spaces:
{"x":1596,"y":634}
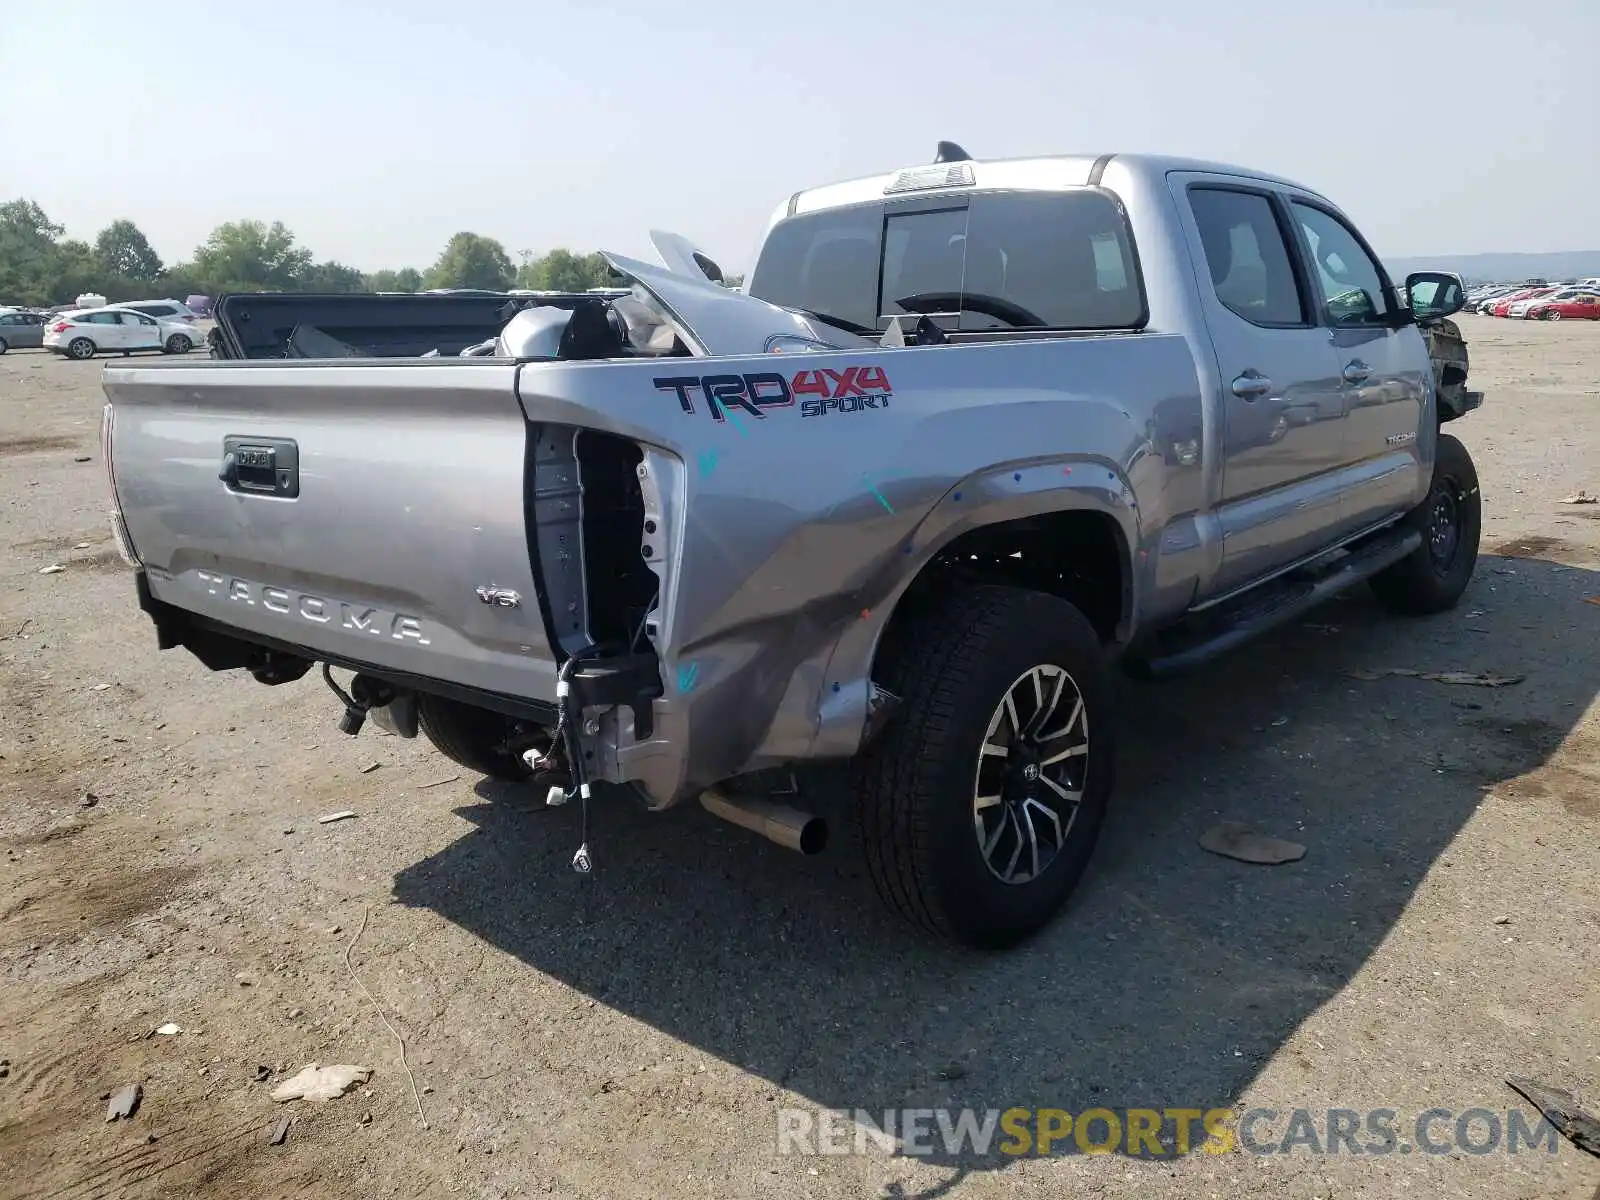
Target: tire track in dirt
{"x":10,"y":447}
{"x":210,"y":1147}
{"x":51,"y":907}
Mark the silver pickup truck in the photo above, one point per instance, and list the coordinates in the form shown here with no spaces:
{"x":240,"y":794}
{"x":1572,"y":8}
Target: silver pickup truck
{"x":973,"y":435}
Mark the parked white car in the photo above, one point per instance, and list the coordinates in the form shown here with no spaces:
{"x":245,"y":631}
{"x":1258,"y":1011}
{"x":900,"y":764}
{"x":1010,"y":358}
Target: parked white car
{"x":161,"y":310}
{"x":83,"y":333}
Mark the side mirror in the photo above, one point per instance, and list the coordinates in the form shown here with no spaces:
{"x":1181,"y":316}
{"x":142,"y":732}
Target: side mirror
{"x":1434,"y":294}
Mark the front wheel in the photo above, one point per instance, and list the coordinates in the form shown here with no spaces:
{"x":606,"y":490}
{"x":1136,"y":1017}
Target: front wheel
{"x":80,"y":349}
{"x":3,"y":346}
{"x":1433,"y":576}
{"x":980,"y":805}
{"x":1552,"y":315}
{"x":178,"y":344}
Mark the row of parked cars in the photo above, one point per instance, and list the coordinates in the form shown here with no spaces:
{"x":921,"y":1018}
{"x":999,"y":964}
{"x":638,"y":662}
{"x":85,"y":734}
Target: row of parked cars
{"x":166,"y":326}
{"x":1578,"y":301}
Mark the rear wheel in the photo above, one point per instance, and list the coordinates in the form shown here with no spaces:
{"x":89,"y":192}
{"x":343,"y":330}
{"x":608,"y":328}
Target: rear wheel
{"x":1434,"y":575}
{"x":980,"y":805}
{"x":179,"y":344}
{"x":80,"y":348}
{"x":3,"y":346}
{"x":476,"y":738}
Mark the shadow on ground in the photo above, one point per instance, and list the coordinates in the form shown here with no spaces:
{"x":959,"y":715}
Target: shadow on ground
{"x":1172,"y":976}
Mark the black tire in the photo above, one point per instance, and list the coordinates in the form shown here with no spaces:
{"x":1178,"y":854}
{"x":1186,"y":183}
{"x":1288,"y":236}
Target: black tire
{"x":473,"y":737}
{"x":915,"y":787}
{"x":1432,"y":578}
{"x":80,"y":349}
{"x":178,"y":344}
{"x":3,"y":346}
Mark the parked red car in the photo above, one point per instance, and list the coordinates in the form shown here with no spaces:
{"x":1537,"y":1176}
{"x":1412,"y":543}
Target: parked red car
{"x":1573,"y":308}
{"x":1502,"y":306}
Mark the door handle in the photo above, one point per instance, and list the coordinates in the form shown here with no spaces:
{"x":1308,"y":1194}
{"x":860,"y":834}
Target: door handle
{"x":1251,"y":384}
{"x":1356,"y":371}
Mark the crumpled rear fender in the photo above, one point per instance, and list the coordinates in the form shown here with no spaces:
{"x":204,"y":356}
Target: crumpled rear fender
{"x":836,"y":688}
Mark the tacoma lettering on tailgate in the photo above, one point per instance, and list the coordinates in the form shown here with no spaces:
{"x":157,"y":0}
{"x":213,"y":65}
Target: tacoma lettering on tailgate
{"x":319,"y":610}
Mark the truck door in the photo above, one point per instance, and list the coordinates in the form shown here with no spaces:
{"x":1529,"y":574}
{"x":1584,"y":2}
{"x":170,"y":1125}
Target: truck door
{"x":1281,"y":393}
{"x":1384,"y":370}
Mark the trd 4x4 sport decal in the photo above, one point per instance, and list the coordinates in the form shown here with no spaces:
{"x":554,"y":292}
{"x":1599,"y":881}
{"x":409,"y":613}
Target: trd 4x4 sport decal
{"x":820,"y":392}
{"x":849,"y":390}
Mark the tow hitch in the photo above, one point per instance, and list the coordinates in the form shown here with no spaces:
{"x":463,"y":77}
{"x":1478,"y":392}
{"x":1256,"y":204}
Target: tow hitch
{"x":364,"y":695}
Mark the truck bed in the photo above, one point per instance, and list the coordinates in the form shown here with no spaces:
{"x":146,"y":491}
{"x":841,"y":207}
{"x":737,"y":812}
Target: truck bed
{"x":265,"y":325}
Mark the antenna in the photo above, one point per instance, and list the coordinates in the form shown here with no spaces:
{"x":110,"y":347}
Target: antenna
{"x":950,"y":152}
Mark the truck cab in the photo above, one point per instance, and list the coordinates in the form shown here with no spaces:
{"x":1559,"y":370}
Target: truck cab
{"x":1320,"y":383}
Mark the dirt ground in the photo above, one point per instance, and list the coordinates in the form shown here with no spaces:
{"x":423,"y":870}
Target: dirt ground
{"x":636,"y":1034}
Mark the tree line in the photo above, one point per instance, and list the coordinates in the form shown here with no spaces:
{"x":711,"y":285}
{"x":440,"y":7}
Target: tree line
{"x":39,"y":265}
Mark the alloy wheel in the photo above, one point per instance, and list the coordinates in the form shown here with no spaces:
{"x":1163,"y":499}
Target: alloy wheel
{"x":1032,"y":769}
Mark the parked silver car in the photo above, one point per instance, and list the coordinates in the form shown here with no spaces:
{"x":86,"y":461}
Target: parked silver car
{"x":21,"y":330}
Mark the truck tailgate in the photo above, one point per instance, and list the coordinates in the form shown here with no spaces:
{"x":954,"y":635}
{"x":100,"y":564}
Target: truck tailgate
{"x":366,"y":507}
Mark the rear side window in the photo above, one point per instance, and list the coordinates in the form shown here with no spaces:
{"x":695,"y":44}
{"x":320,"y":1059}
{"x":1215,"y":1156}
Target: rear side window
{"x":1004,"y":260}
{"x":1247,"y":256}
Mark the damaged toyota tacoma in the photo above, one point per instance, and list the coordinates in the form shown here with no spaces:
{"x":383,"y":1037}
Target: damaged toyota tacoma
{"x":973,"y":436}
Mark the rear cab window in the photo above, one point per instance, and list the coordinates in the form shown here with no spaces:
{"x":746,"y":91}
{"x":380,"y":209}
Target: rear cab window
{"x":974,"y":262}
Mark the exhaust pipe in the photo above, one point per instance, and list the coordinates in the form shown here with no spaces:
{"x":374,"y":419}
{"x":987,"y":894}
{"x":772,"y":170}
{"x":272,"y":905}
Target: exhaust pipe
{"x":789,"y":827}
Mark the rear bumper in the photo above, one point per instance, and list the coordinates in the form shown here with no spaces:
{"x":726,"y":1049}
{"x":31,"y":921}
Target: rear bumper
{"x":223,"y":647}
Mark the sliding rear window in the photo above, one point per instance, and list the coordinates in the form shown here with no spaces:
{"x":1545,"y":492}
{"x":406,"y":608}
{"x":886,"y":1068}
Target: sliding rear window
{"x":994,"y":261}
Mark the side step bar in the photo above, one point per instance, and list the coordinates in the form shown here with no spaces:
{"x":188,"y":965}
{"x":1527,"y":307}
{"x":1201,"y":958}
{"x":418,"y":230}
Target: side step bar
{"x":1216,"y":633}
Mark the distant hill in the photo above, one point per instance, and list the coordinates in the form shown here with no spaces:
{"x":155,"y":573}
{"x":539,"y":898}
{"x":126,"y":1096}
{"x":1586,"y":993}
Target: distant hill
{"x":1486,"y":268}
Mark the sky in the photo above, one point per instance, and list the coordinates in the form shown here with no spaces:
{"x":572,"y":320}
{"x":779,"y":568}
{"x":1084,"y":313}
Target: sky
{"x":375,"y":131}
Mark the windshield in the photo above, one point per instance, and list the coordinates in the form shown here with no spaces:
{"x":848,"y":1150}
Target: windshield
{"x":1001,"y":260}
